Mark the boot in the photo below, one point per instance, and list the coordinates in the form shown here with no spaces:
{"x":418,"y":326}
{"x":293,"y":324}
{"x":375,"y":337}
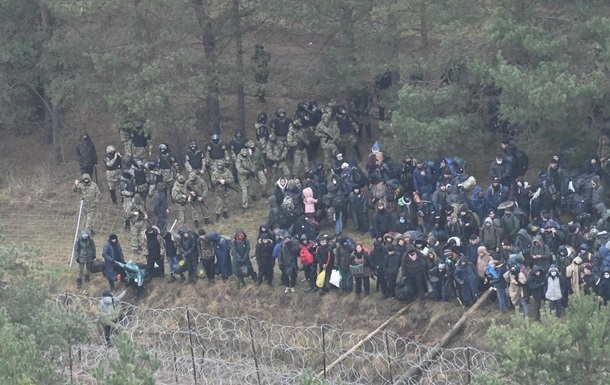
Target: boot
{"x":111,"y":284}
{"x":225,"y":215}
{"x":86,"y":278}
{"x":217,"y":217}
{"x":254,"y":276}
{"x":79,"y":283}
{"x":357,"y":152}
{"x":113,"y":196}
{"x":127,"y":225}
{"x":196,"y":223}
{"x":207,"y":221}
{"x":172,"y":278}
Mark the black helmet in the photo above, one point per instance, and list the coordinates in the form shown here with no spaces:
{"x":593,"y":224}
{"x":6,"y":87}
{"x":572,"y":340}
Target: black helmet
{"x":151,"y":165}
{"x":163,"y":147}
{"x":215,"y":136}
{"x":303,"y":106}
{"x":280,"y":113}
{"x":138,"y":162}
{"x":127,"y":174}
{"x":262,"y":117}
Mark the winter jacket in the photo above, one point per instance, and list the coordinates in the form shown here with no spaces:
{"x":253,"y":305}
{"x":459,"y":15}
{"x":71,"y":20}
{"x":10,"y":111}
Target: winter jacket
{"x":84,"y":250}
{"x":357,"y":258}
{"x":112,"y":253}
{"x":187,"y":246}
{"x":466,"y":277}
{"x":288,"y":258}
{"x":540,"y":249}
{"x":536,"y":283}
{"x":240,"y":250}
{"x":391,"y":264}
{"x":554,"y":287}
{"x":490,"y":236}
{"x":410,"y":266}
{"x":516,"y":282}
{"x":309,"y":201}
{"x":382,"y":222}
{"x":223,"y":256}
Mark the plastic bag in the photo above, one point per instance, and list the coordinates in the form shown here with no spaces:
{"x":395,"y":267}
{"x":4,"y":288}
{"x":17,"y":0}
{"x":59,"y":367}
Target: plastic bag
{"x":335,"y":278}
{"x":320,"y":279}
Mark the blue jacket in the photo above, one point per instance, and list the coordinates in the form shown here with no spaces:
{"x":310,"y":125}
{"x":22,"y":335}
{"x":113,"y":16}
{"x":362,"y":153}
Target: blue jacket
{"x":110,"y":268}
{"x":223,"y":258}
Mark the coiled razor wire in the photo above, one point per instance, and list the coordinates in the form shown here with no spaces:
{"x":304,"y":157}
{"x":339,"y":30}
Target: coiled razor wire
{"x":193,"y":346}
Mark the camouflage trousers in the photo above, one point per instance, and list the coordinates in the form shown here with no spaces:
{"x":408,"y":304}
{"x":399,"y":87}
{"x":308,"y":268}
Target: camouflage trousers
{"x":180,"y":211}
{"x":221,"y":201}
{"x":301,"y":162}
{"x":142,"y":189}
{"x":279,"y":169}
{"x":113,"y":177}
{"x":140,"y":152}
{"x":328,"y":150}
{"x":197,"y":207}
{"x":168,"y":177}
{"x":89,"y":214}
{"x":136,"y":230}
{"x":127,"y":150}
{"x":246,"y":190}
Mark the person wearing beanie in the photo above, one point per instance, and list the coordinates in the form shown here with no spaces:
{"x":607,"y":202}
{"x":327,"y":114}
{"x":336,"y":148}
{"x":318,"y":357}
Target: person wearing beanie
{"x":84,"y":253}
{"x":112,"y":252}
{"x":391,"y":265}
{"x":472,"y":252}
{"x":376,"y":259}
{"x":154,"y":249}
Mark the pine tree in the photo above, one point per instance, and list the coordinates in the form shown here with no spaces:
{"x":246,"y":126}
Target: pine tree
{"x":573,"y":350}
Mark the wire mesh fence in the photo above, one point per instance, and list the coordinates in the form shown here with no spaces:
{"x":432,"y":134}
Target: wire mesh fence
{"x":197,"y":348}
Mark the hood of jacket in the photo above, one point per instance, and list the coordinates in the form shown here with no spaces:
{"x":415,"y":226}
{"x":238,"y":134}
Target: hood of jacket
{"x":272,"y":201}
{"x":240,"y":232}
{"x":537,"y":241}
{"x":214,"y":236}
{"x":307,"y":192}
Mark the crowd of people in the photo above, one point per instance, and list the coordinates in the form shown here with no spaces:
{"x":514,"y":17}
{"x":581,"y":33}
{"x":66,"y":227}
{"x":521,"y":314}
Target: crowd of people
{"x":435,"y":231}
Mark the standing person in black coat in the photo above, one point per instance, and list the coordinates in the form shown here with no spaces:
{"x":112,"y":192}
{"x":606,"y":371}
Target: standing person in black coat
{"x":326,"y":259}
{"x":359,"y":209}
{"x":465,"y":275}
{"x":160,"y":207}
{"x":414,"y":272}
{"x":376,"y":259}
{"x":382,"y":222}
{"x":535,"y":283}
{"x":187,"y":248}
{"x":264,"y":259}
{"x":391,"y":264}
{"x":289,"y":253}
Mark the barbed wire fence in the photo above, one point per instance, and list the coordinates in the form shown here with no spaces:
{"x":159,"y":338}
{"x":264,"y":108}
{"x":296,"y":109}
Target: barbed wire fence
{"x":197,"y":348}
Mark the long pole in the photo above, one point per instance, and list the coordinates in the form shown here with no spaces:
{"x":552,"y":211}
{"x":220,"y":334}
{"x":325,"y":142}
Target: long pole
{"x":80,"y":210}
{"x":188,"y":322}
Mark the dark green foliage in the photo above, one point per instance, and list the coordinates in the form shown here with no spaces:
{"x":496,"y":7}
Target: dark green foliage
{"x":132,"y":366}
{"x":553,"y":352}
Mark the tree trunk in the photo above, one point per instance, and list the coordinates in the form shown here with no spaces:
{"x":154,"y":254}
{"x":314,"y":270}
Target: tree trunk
{"x":55,"y":127}
{"x":209,"y":50}
{"x":239,"y":64}
{"x":423,"y":26}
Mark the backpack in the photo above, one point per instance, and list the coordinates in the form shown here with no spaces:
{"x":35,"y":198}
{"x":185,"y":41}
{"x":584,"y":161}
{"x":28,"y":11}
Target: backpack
{"x":305,"y":256}
{"x":288,"y":204}
{"x":359,"y":177}
{"x":339,"y":201}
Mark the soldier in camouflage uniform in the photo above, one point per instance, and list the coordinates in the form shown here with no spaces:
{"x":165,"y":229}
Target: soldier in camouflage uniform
{"x":276,"y":153}
{"x":260,"y":165}
{"x":138,"y":217}
{"x":259,"y":62}
{"x":84,"y":253}
{"x":198,"y":192}
{"x":114,"y":163}
{"x":245,"y":171}
{"x":298,"y":140}
{"x":90,"y":195}
{"x":328,"y":131}
{"x":168,"y":165}
{"x":181,"y":198}
{"x":140,"y":179}
{"x":280,"y":125}
{"x":128,"y":190}
{"x":194,"y":160}
{"x":216,"y":153}
{"x":142,"y":142}
{"x":260,"y":128}
{"x":347,"y":130}
{"x":235,"y":147}
{"x":154,"y":176}
{"x":125,"y":130}
{"x":221,"y":182}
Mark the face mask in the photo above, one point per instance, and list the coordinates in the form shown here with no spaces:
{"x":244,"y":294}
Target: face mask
{"x":402,"y":220}
{"x":553,"y":273}
{"x":606,"y":275}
